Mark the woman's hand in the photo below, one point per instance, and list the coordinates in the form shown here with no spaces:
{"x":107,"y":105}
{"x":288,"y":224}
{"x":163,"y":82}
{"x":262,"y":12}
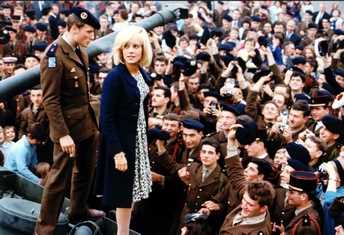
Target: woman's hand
{"x":120,"y":160}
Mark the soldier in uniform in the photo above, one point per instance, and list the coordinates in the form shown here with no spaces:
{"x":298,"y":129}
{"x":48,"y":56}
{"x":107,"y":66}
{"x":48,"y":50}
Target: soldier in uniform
{"x":305,"y":218}
{"x":72,"y":124}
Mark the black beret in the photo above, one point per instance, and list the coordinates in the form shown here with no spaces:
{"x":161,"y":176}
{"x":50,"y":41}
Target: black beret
{"x":321,"y":97}
{"x":31,"y":14}
{"x":312,"y":26}
{"x":302,"y":96}
{"x":228,"y":18}
{"x":227,"y":46}
{"x":46,"y":10}
{"x":309,"y":12}
{"x":297,"y":165}
{"x":204,"y":56}
{"x":61,"y":23}
{"x":157,"y":134}
{"x":29,"y":28}
{"x":300,"y":47}
{"x":10,"y":29}
{"x":218,"y":32}
{"x":39,"y":46}
{"x":190,"y":123}
{"x":246,"y":134}
{"x":15,"y":17}
{"x":263,"y":166}
{"x":298,"y":60}
{"x":4,"y":37}
{"x":298,"y":152}
{"x":303,"y":181}
{"x":42,"y":26}
{"x":333,"y":124}
{"x":170,"y":39}
{"x":65,"y":12}
{"x":338,"y":32}
{"x":185,"y":65}
{"x":263,"y":41}
{"x":255,"y":18}
{"x":85,"y":16}
{"x":230,"y":108}
{"x":261,"y":73}
{"x":213,"y":93}
{"x":340,"y":72}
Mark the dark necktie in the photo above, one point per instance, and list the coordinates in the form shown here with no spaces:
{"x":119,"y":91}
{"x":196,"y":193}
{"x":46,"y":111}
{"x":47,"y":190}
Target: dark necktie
{"x":78,"y":52}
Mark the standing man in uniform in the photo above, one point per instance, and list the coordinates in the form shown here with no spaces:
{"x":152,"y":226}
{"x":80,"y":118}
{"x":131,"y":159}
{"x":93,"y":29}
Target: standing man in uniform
{"x":72,"y":124}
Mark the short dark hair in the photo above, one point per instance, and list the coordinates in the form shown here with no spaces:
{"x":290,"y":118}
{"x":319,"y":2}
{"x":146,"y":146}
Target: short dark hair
{"x":37,"y":131}
{"x":161,"y":58}
{"x":302,"y":105}
{"x":213,"y":143}
{"x":262,"y":192}
{"x":167,"y":92}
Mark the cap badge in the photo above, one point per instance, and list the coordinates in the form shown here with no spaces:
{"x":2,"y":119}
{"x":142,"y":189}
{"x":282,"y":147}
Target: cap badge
{"x":83,"y":15}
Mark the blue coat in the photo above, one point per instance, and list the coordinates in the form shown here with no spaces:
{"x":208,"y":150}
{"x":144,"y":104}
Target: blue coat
{"x":119,"y":108}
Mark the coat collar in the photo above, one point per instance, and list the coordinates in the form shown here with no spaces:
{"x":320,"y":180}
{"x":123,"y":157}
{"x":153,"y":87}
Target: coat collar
{"x":68,"y":50}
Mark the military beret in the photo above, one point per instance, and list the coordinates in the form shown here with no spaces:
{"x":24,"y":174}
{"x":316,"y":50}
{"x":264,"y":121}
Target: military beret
{"x":180,"y":62}
{"x":170,"y":39}
{"x":218,"y":32}
{"x":255,"y":18}
{"x":263,"y":41}
{"x":193,"y":124}
{"x":15,"y":17}
{"x":298,"y":165}
{"x":333,"y":124}
{"x":296,"y":39}
{"x":65,"y":12}
{"x":300,"y":47}
{"x":46,"y":10}
{"x":185,"y":65}
{"x":203,"y":56}
{"x":39,"y":46}
{"x":157,"y":134}
{"x":298,"y":60}
{"x":263,"y":166}
{"x":261,"y":73}
{"x":228,"y":18}
{"x":340,"y":72}
{"x":312,"y":26}
{"x":227,"y":46}
{"x":86,"y":17}
{"x":8,"y":28}
{"x":298,"y":152}
{"x":230,"y":108}
{"x":309,"y":12}
{"x":10,"y":59}
{"x":4,"y":37}
{"x":303,"y":181}
{"x":321,"y":97}
{"x":41,"y":26}
{"x":228,"y":58}
{"x":61,"y":23}
{"x":338,"y":101}
{"x":29,"y":28}
{"x":246,"y":134}
{"x":338,"y":32}
{"x":212,"y":93}
{"x":302,"y":96}
{"x":31,"y":14}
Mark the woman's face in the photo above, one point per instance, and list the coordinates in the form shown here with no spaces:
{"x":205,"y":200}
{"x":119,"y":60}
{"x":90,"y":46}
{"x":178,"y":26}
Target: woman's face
{"x":132,"y":52}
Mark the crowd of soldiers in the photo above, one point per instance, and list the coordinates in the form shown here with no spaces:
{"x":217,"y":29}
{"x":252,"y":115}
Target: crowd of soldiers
{"x":245,"y":122}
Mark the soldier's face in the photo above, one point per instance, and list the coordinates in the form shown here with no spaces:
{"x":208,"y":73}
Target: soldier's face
{"x":191,"y":137}
{"x":250,"y":207}
{"x":208,"y":155}
{"x":84,"y":35}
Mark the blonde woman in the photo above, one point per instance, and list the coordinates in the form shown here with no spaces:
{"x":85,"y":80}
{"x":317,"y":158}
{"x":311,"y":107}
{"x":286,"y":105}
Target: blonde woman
{"x":124,"y":165}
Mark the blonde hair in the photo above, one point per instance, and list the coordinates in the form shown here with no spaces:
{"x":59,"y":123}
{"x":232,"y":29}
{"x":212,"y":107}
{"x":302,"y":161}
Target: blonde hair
{"x":133,"y":33}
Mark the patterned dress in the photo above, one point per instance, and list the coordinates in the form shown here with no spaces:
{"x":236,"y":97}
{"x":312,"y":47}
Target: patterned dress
{"x":142,"y":178}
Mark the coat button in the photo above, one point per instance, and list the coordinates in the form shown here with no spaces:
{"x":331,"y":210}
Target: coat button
{"x":200,"y":190}
{"x":198,"y":196}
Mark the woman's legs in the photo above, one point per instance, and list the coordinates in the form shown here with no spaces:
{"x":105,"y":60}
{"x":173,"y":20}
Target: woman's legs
{"x":123,"y":220}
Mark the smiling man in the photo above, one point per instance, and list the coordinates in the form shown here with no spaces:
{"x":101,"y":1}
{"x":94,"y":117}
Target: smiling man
{"x":72,"y":123}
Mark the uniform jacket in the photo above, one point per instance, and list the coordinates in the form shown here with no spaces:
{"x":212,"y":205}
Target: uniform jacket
{"x":119,"y":110}
{"x":28,"y":117}
{"x":306,"y":222}
{"x":65,"y":92}
{"x":262,"y":228}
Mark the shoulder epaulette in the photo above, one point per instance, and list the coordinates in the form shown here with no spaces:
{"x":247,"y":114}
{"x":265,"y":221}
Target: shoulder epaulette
{"x":52,"y":50}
